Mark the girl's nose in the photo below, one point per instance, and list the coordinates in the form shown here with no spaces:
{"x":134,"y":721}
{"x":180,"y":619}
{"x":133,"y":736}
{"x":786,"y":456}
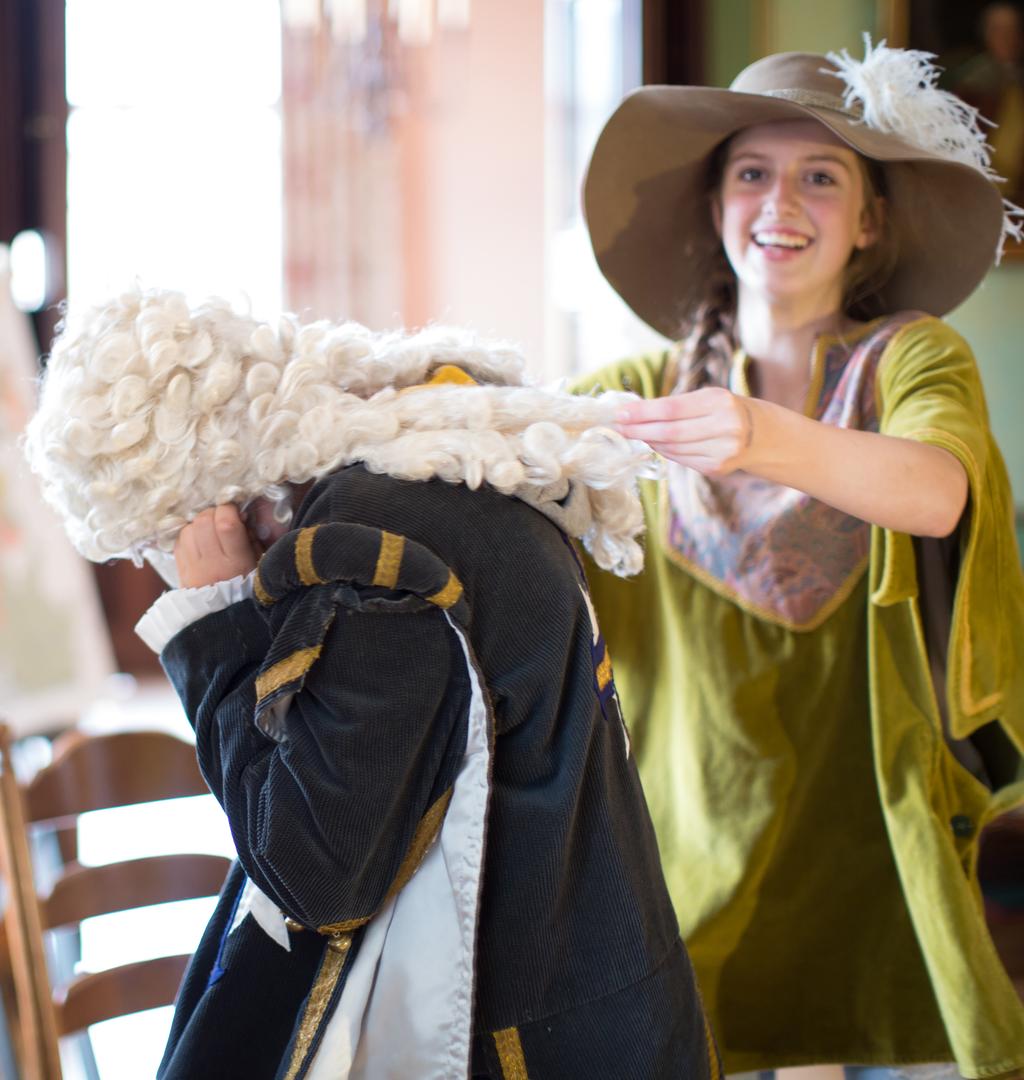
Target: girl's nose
{"x":780,"y":198}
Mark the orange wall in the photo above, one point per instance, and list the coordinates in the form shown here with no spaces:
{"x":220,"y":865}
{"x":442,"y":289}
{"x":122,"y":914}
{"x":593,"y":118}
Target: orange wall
{"x":472,"y":150}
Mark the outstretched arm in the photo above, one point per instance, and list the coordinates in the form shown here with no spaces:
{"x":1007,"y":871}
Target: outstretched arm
{"x":897,"y":483}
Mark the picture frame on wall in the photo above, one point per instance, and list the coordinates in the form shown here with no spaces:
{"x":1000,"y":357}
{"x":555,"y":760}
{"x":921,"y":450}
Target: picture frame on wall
{"x":979,"y":44}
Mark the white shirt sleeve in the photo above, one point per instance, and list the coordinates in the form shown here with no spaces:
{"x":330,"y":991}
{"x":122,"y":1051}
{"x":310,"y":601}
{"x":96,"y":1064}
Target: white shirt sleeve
{"x":170,"y":613}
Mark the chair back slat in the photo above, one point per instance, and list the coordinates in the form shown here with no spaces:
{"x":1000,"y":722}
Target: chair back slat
{"x":105,"y":771}
{"x":83,"y":892}
{"x":103,"y":995}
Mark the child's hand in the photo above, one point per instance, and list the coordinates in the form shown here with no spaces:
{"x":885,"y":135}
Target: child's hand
{"x":214,"y":547}
{"x":710,"y":430}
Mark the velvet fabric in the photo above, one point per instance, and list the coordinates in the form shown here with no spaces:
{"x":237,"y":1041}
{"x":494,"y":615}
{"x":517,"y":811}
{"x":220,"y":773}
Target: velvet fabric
{"x":819,"y":835}
{"x":376,"y":669}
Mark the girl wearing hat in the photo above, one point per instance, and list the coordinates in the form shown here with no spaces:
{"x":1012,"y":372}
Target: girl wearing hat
{"x":823,"y":661}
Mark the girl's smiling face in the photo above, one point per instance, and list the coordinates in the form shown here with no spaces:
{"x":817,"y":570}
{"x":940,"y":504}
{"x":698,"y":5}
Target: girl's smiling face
{"x":791,"y":211}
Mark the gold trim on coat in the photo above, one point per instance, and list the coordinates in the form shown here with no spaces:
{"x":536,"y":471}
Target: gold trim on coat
{"x":392,"y":547}
{"x":331,"y":967}
{"x":284,"y":671}
{"x":449,"y":595}
{"x":304,"y":557}
{"x":510,"y":1054}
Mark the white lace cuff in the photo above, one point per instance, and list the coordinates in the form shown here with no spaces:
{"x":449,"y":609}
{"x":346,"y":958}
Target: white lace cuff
{"x":170,"y":613}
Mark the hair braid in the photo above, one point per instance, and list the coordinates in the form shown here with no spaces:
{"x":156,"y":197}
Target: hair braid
{"x":704,"y":354}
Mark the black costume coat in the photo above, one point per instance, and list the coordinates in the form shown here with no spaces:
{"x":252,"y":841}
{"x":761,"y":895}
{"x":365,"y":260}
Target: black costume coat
{"x":332,"y":715}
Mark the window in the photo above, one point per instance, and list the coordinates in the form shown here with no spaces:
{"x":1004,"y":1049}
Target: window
{"x":174,"y":148}
{"x":593,"y":58}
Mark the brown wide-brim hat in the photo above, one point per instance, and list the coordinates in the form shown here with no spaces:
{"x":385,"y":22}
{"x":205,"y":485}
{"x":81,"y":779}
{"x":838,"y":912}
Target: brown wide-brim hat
{"x":645,"y":196}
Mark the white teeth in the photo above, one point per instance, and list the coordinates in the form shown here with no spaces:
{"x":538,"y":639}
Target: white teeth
{"x":780,"y":239}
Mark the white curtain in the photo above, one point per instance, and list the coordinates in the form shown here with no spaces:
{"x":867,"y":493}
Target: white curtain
{"x":54,"y":648}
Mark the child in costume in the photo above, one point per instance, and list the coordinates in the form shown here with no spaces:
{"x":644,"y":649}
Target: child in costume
{"x":445,"y":865}
{"x":823,"y":660}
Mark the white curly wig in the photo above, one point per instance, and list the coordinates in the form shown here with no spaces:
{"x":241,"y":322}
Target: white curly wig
{"x":150,"y":412}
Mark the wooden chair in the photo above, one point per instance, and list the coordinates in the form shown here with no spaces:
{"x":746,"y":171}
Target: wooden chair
{"x":89,"y":773}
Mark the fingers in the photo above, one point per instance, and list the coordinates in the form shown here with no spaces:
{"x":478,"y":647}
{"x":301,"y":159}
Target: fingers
{"x":219,"y":532}
{"x":185,"y":545}
{"x":203,"y":535}
{"x":710,"y":457}
{"x":215,"y":546}
{"x":186,"y":554}
{"x":231,"y":533}
{"x":688,"y":406}
{"x":686,"y":417}
{"x":709,"y":430}
{"x":673,"y":431}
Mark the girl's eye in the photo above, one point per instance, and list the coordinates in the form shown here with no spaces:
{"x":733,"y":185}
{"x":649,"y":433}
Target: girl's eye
{"x":821,"y":179}
{"x":750,"y":173}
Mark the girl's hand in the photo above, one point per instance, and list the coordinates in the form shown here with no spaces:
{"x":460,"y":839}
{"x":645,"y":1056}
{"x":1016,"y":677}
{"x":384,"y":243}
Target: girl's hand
{"x":710,"y":430}
{"x":214,"y":547}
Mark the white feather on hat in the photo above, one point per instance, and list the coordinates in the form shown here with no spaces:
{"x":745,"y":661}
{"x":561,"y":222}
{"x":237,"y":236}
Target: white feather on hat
{"x":897,"y":92}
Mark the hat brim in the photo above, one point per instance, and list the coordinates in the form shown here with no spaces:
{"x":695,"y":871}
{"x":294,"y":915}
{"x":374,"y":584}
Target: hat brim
{"x":646,"y":203}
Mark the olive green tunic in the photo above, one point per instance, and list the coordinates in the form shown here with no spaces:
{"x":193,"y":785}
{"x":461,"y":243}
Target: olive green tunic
{"x":817,"y":832}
